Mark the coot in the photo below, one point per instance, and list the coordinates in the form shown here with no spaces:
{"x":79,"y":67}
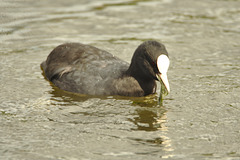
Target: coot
{"x":85,"y":69}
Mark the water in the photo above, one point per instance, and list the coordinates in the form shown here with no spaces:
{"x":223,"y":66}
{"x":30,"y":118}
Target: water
{"x":199,"y":119}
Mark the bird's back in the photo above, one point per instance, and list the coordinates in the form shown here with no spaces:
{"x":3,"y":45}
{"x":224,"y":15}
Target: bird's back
{"x":83,"y":69}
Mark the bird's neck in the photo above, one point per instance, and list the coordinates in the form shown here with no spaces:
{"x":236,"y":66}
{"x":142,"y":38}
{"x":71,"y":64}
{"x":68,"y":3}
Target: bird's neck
{"x":146,"y":83}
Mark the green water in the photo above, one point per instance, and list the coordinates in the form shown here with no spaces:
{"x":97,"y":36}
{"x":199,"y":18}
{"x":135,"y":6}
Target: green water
{"x":199,"y":119}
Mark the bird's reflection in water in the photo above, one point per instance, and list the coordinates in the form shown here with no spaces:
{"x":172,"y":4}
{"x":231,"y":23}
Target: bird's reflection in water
{"x":151,"y":117}
{"x":64,"y":97}
{"x":149,"y":120}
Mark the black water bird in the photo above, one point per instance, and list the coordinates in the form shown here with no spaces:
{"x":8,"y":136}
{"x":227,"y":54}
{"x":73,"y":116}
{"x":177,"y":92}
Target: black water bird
{"x":85,"y":69}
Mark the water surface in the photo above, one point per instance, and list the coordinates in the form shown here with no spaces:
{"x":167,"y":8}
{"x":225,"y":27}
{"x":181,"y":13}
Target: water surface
{"x":199,"y":119}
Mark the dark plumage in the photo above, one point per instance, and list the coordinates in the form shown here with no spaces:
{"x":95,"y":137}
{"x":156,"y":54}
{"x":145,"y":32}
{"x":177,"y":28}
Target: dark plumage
{"x":86,"y":69}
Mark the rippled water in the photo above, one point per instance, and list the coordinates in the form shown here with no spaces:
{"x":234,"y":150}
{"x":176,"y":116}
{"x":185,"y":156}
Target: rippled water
{"x":199,"y":119}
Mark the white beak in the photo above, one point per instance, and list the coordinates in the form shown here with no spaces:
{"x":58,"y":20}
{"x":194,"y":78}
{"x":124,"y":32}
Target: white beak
{"x":163,"y":64}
